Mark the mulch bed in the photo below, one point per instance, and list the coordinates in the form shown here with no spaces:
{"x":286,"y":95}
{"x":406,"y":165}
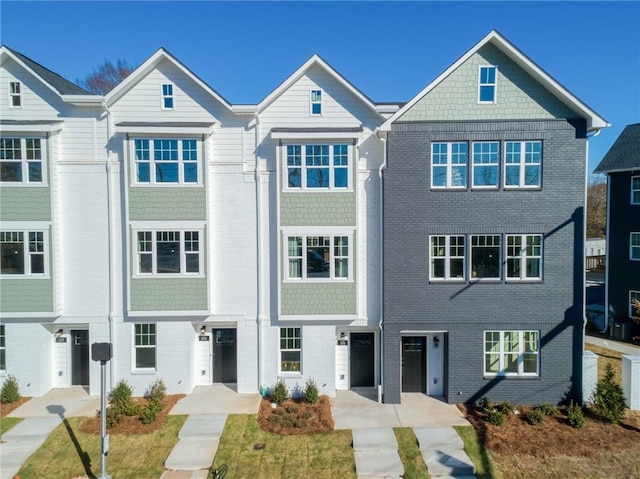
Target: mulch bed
{"x":131,"y":424}
{"x":553,"y":436}
{"x":294,"y":416}
{"x":6,"y":409}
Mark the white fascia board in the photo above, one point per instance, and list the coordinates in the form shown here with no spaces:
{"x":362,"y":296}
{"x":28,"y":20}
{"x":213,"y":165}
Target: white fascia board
{"x":327,"y":135}
{"x":334,"y":318}
{"x":195,"y":315}
{"x":617,"y":170}
{"x":52,"y":128}
{"x":165,"y":130}
{"x":244,"y":109}
{"x":35,"y":315}
{"x":83,"y":100}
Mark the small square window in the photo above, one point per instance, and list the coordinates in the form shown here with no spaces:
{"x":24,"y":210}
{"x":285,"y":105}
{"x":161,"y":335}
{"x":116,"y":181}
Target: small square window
{"x":635,"y":190}
{"x":167,"y":96}
{"x":316,"y":102}
{"x":487,"y":84}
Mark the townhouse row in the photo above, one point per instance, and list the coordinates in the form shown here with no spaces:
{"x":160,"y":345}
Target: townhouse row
{"x":432,"y":246}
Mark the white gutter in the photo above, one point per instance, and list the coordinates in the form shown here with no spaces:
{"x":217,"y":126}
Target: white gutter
{"x":110,"y":241}
{"x":382,"y":167}
{"x":258,"y":250}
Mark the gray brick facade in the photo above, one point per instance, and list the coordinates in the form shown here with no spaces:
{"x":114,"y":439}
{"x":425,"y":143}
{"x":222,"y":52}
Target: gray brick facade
{"x":465,"y":309}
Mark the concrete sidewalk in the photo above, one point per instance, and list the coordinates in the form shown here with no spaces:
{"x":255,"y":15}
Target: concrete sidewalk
{"x":376,"y":453}
{"x":623,"y":348}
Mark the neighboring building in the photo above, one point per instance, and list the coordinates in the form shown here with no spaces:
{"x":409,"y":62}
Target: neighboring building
{"x":622,"y":167}
{"x":484,"y":197}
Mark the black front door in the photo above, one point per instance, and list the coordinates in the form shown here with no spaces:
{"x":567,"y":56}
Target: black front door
{"x":224,"y":356}
{"x":414,"y":356}
{"x":362,"y":360}
{"x":79,"y":357}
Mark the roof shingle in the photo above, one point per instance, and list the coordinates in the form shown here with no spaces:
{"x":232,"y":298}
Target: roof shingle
{"x":624,"y":154}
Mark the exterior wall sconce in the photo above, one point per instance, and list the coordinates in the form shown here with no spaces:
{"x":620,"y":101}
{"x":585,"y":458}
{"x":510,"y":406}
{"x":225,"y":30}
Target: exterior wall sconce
{"x":203,"y":329}
{"x":59,"y":333}
{"x":342,"y":335}
{"x":436,"y":341}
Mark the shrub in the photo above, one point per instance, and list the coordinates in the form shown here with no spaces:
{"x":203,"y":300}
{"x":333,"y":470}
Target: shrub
{"x":547,"y":409}
{"x":608,"y":398}
{"x":535,"y":416}
{"x":280,"y":392}
{"x":10,"y":390}
{"x":505,"y":407}
{"x":485,"y":405}
{"x":311,"y":391}
{"x":575,"y":415}
{"x":157,"y":391}
{"x":121,"y":398}
{"x":114,"y":416}
{"x":495,"y":417}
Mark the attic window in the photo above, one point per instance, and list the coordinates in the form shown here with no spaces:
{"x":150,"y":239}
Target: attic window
{"x":167,"y":96}
{"x":316,"y":102}
{"x":15,"y":92}
{"x":487,"y":84}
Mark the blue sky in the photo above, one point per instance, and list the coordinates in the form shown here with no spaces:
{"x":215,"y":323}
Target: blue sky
{"x":389,"y":50}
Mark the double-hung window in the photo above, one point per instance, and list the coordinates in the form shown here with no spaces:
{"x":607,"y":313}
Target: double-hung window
{"x":485,"y":164}
{"x":449,"y":165}
{"x":524,"y":257}
{"x":447,"y":258}
{"x":15,"y":93}
{"x":522,"y":163}
{"x":634,"y":247}
{"x":21,"y":160}
{"x":23,"y":253}
{"x":315,"y":102}
{"x":167,"y":96}
{"x":168,"y":252}
{"x":635,"y":190}
{"x":3,"y":349}
{"x":318,"y":257}
{"x":511,"y":353}
{"x":316,"y":167}
{"x":166,"y":161}
{"x":485,"y":256}
{"x":634,"y":303}
{"x":290,"y":350}
{"x":145,"y":345}
{"x":487,"y":81}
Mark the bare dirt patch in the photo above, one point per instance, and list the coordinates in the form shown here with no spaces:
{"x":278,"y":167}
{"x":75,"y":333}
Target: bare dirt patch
{"x":6,"y":409}
{"x":132,"y":424}
{"x":295,"y":416}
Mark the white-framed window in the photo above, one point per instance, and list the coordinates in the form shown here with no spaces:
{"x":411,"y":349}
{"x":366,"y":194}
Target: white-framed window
{"x":634,"y":308}
{"x":290,"y":350}
{"x":634,"y":247}
{"x":449,"y":165}
{"x":15,"y":94}
{"x":524,"y":257}
{"x":635,"y":190}
{"x":167,"y":96}
{"x":486,"y":158}
{"x":487,"y":83}
{"x":315,"y":102}
{"x":165,"y":161}
{"x":447,"y":257}
{"x":522,"y":164}
{"x":24,"y":253}
{"x":511,"y":353}
{"x":318,"y":257}
{"x":168,"y":252}
{"x":145,"y":345}
{"x":3,"y":349}
{"x":485,"y":256}
{"x":317,"y":167}
{"x":22,"y":160}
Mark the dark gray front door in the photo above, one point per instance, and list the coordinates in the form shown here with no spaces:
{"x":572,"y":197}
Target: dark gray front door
{"x":414,"y":356}
{"x":362,"y":360}
{"x":79,"y":357}
{"x":224,"y":356}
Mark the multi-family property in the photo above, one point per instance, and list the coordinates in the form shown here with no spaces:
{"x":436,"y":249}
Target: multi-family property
{"x":621,"y":164}
{"x":434,"y":246}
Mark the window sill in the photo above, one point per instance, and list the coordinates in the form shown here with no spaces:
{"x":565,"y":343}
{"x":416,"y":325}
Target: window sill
{"x":523,"y":281}
{"x":447,"y":281}
{"x":167,"y":276}
{"x":166,"y":185}
{"x":449,"y":188}
{"x":523,"y":188}
{"x":144,"y":372}
{"x":23,"y":276}
{"x":317,"y":190}
{"x":487,"y":377}
{"x":318,"y":281}
{"x":19,"y":184}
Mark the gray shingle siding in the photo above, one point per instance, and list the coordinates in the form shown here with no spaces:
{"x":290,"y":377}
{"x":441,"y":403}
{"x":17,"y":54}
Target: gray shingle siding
{"x":554,"y":306}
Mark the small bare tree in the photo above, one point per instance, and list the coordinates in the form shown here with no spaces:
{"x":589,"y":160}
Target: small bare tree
{"x":105,"y":77}
{"x":597,"y":208}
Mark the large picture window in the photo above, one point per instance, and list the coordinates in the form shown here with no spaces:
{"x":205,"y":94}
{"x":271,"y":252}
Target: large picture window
{"x":485,"y":164}
{"x":317,"y":167}
{"x":524,"y":257}
{"x":523,"y":161}
{"x":485,"y":256}
{"x":23,"y":253}
{"x":318,"y":257}
{"x":511,"y":353}
{"x":290,"y":350}
{"x":145,"y":346}
{"x":168,"y":252}
{"x":447,"y":257}
{"x":449,"y":165}
{"x":166,"y":161}
{"x":21,"y":160}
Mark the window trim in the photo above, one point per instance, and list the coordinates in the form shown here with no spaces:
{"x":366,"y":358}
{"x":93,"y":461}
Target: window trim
{"x":522,"y":165}
{"x":303,"y":167}
{"x":473,"y":165}
{"x":24,"y":161}
{"x":315,"y":102}
{"x":281,"y":349}
{"x":167,"y":97}
{"x":523,"y":257}
{"x":493,"y":84}
{"x":449,"y":165}
{"x":502,"y":353}
{"x":3,"y":349}
{"x":447,"y":258}
{"x":152,"y":162}
{"x":333,"y":235}
{"x":13,"y":95}
{"x":27,"y":254}
{"x":634,"y":248}
{"x":143,"y":346}
{"x":635,"y":192}
{"x":166,"y":228}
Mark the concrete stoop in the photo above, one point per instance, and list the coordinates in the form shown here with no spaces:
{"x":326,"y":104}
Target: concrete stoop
{"x":443,"y":453}
{"x":376,"y":453}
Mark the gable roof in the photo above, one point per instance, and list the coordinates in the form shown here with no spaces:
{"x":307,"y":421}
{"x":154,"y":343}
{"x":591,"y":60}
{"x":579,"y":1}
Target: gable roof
{"x":67,"y":90}
{"x":624,"y":154}
{"x":594,"y":121}
{"x":148,"y":65}
{"x":313,"y":61}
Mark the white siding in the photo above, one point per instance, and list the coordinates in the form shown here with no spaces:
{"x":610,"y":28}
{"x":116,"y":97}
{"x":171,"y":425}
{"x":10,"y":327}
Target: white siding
{"x":29,"y":356}
{"x":38,"y":101}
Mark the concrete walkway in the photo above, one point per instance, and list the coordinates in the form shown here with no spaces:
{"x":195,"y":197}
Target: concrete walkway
{"x":623,"y":348}
{"x":443,"y":453}
{"x":376,"y":453}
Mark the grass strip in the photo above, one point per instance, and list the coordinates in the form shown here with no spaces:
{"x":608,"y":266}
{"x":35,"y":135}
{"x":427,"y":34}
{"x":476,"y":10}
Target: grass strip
{"x":7,"y":423}
{"x":485,"y":467}
{"x":410,"y":455}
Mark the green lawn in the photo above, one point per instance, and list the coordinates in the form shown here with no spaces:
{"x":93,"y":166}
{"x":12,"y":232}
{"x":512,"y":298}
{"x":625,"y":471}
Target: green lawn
{"x":410,"y":455}
{"x":485,"y":467}
{"x":69,"y":452}
{"x":7,"y":423}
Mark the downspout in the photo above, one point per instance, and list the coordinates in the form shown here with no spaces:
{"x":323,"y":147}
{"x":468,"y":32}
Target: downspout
{"x":112,"y":373}
{"x":380,"y":326}
{"x":259,"y":249}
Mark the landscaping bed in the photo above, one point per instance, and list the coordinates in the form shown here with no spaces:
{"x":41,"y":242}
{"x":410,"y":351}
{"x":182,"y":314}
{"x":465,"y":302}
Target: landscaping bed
{"x":296,"y":416}
{"x":6,"y":409}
